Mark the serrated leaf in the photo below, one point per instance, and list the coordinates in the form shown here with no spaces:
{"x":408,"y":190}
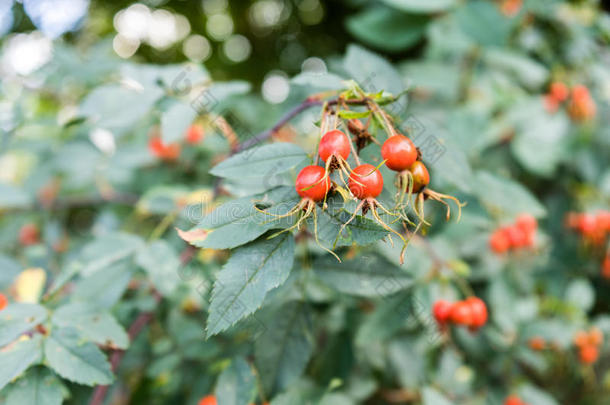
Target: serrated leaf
{"x":161,"y":263}
{"x":175,"y":121}
{"x":38,"y":387}
{"x":238,"y":222}
{"x":236,"y":384}
{"x":106,"y":250}
{"x":419,"y":6}
{"x":79,"y":362}
{"x":244,"y":281}
{"x":432,"y":397}
{"x":17,"y":319}
{"x":482,"y":22}
{"x":13,"y":197}
{"x":284,"y":350}
{"x":18,"y":357}
{"x":93,"y":324}
{"x":104,"y":288}
{"x":367,"y":276}
{"x":118,"y":108}
{"x":387,"y":29}
{"x":348,"y":115}
{"x":261,"y":161}
{"x":505,"y":196}
{"x":361,"y":230}
{"x":372,"y":71}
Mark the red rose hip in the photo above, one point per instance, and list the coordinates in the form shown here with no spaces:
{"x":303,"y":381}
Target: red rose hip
{"x":334,"y":143}
{"x":399,"y":152}
{"x":365,"y":181}
{"x":312,"y":183}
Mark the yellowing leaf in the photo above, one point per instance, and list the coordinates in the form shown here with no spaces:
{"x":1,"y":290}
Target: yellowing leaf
{"x":29,"y":285}
{"x":193,"y":235}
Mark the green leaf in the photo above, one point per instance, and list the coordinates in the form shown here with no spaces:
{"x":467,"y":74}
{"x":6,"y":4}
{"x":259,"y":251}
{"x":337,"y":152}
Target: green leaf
{"x":106,"y":250}
{"x":93,"y":324}
{"x":261,"y":161}
{"x":13,"y":197}
{"x":433,"y":397}
{"x":79,"y":362}
{"x":419,"y":6}
{"x":244,"y":281}
{"x":175,"y":121}
{"x":348,"y":115}
{"x":38,"y":387}
{"x":482,"y":21}
{"x":283,"y":351}
{"x":9,"y":269}
{"x":367,"y":276}
{"x":386,"y":29}
{"x":161,"y":199}
{"x":16,"y":319}
{"x":361,"y":231}
{"x":526,"y":70}
{"x":533,"y":395}
{"x":371,"y":71}
{"x":238,"y":222}
{"x":540,"y":141}
{"x":236,"y":384}
{"x":161,"y":263}
{"x":580,"y":293}
{"x":505,"y":196}
{"x":106,"y":287}
{"x":17,"y":358}
{"x":118,"y":108}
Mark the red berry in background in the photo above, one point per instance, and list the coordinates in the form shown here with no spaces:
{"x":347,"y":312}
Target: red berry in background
{"x":499,"y":242}
{"x":163,"y":151}
{"x":516,"y":237}
{"x":421,"y":177}
{"x":581,"y":339}
{"x":513,"y":400}
{"x":442,"y":311}
{"x":3,"y":301}
{"x":588,"y":354}
{"x":603,"y":221}
{"x":29,"y":235}
{"x":313,"y":183}
{"x":208,"y":400}
{"x":478,"y":311}
{"x":596,"y":337}
{"x":527,"y":223}
{"x":365,"y":181}
{"x":586,"y":224}
{"x":334,"y":142}
{"x":461,"y":313}
{"x":537,"y":343}
{"x":194,"y":134}
{"x":559,"y":91}
{"x":399,"y":152}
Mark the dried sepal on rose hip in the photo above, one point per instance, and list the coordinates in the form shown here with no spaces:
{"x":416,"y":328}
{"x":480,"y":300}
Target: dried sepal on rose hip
{"x":312,"y":185}
{"x":366,"y":184}
{"x":401,"y":155}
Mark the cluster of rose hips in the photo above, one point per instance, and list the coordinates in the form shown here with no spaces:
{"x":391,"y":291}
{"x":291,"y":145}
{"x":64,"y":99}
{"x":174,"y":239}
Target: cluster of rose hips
{"x":3,"y":301}
{"x":537,"y":343}
{"x":514,"y":400}
{"x":581,"y":106}
{"x":594,"y":227}
{"x":471,"y":312}
{"x":211,"y":400}
{"x":519,"y":235}
{"x":194,"y":134}
{"x":365,"y":182}
{"x":588,"y":344}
